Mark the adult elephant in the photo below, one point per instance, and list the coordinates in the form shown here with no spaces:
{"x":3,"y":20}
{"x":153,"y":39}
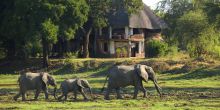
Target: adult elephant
{"x":122,"y":76}
{"x":35,"y":81}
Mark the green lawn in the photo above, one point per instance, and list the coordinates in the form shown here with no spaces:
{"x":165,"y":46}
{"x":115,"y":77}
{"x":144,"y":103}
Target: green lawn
{"x":197,"y":90}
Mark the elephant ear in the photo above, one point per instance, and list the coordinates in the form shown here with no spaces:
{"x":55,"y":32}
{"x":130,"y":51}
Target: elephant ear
{"x":142,"y":72}
{"x":45,"y":78}
{"x":79,"y":83}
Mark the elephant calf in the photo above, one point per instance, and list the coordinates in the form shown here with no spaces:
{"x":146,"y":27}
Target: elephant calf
{"x":74,"y":85}
{"x":122,"y":76}
{"x":35,"y":81}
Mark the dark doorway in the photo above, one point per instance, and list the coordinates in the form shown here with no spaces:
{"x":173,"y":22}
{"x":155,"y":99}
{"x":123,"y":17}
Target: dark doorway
{"x":134,"y":49}
{"x":105,"y":47}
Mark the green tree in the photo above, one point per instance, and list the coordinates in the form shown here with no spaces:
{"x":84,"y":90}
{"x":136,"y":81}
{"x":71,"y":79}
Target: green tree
{"x":199,"y":37}
{"x":96,"y":19}
{"x":49,"y":19}
{"x":71,"y":20}
{"x":171,"y":11}
{"x":205,"y":43}
{"x":191,"y":23}
{"x":12,"y":30}
{"x":213,"y":12}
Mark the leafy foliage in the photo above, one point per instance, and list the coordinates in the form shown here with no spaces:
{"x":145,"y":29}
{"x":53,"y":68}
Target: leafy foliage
{"x":193,"y":25}
{"x":72,"y":14}
{"x":202,"y":38}
{"x":195,"y":21}
{"x":156,"y":48}
{"x":49,"y":31}
{"x":49,"y":20}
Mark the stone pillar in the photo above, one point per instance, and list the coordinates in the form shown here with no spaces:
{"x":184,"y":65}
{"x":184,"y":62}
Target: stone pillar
{"x":110,"y":32}
{"x":140,"y":47}
{"x":126,"y":32}
{"x":100,"y":31}
{"x":131,"y":31}
{"x":129,"y":49}
{"x":112,"y":47}
{"x":143,"y":46}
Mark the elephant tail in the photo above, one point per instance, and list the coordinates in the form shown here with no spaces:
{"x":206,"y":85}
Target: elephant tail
{"x":104,"y":84}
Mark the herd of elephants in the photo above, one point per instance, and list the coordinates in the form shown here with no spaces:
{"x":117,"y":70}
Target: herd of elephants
{"x":118,"y":76}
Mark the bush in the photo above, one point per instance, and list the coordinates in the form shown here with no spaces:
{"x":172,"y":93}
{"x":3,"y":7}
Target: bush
{"x":172,"y":50}
{"x":205,"y":44}
{"x":118,"y":52}
{"x":156,"y":48}
{"x":124,"y":52}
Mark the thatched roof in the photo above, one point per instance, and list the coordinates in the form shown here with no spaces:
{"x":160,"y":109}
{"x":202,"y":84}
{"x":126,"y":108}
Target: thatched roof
{"x":145,"y":19}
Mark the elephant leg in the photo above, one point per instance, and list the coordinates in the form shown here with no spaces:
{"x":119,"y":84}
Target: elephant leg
{"x":118,"y":93}
{"x":64,"y":94}
{"x":107,"y":94}
{"x":23,"y":96}
{"x":37,"y":94}
{"x":60,"y":97}
{"x":23,"y":92}
{"x":17,"y":96}
{"x":143,"y":90}
{"x":46,"y":94}
{"x":141,"y":87}
{"x":82,"y":92}
{"x":135,"y":93}
{"x":65,"y":97}
{"x":75,"y":95}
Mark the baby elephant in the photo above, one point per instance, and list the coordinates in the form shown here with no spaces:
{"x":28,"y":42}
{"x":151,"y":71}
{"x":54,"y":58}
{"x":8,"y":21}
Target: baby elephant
{"x":74,"y":85}
{"x":35,"y":81}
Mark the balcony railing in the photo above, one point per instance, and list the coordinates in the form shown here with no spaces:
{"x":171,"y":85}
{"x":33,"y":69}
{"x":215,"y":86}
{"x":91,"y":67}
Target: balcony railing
{"x":122,"y":36}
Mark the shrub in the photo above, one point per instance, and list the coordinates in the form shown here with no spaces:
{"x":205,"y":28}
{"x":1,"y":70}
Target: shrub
{"x":172,"y":50}
{"x":118,"y":52}
{"x":204,"y":44}
{"x":124,"y":51}
{"x":156,"y":48}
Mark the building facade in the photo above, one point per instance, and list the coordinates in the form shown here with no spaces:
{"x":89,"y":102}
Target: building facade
{"x":126,"y":34}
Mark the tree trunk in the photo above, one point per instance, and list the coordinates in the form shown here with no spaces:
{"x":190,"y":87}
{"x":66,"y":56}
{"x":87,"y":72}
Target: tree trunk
{"x":86,"y":43}
{"x":61,"y":47}
{"x":45,"y":53}
{"x":95,"y":46}
{"x":67,"y":45}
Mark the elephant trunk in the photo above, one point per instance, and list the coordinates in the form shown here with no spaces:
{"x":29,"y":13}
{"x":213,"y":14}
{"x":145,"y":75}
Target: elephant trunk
{"x":54,"y":92}
{"x":104,"y":84}
{"x":90,"y":91}
{"x":157,"y":87}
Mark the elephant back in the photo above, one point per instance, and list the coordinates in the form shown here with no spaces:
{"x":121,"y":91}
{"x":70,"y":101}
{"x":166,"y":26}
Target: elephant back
{"x":68,"y":84}
{"x":29,"y":80}
{"x":121,"y":76}
{"x":122,"y":69}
